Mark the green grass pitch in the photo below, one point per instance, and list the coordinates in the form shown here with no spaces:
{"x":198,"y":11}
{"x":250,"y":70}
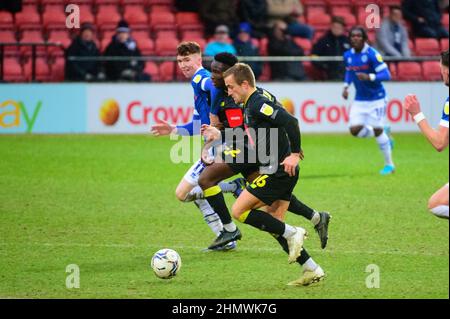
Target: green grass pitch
{"x":106,"y":204}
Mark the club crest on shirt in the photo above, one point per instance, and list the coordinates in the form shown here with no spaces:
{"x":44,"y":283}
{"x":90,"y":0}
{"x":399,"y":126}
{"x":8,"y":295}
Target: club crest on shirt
{"x":364,"y":58}
{"x":379,"y":58}
{"x":266,"y":110}
{"x":197,"y":79}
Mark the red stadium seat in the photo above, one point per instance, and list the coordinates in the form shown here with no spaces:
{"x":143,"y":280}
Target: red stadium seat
{"x":135,"y":16}
{"x":445,"y":21}
{"x":319,"y":21}
{"x":54,"y":18}
{"x":107,"y":16}
{"x":444,"y":44}
{"x":167,"y":71}
{"x":264,"y":47}
{"x":28,"y":18}
{"x":6,"y":21}
{"x":342,"y":3}
{"x":189,"y":21}
{"x":165,"y":34}
{"x":409,"y":71}
{"x":364,"y":3}
{"x":304,"y":43}
{"x":12,"y":70}
{"x":166,"y":46}
{"x":86,"y":14}
{"x":146,"y":45}
{"x":162,"y":21}
{"x":57,"y":70}
{"x":103,"y":2}
{"x":266,"y":74}
{"x":432,"y":70}
{"x":349,"y":18}
{"x":427,"y":47}
{"x":161,"y":8}
{"x":7,"y":36}
{"x":340,"y":10}
{"x":393,"y":70}
{"x":60,"y":36}
{"x":42,"y":69}
{"x":152,"y":69}
{"x":192,"y":34}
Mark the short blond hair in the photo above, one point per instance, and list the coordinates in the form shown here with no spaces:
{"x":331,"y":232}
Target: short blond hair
{"x":241,"y":72}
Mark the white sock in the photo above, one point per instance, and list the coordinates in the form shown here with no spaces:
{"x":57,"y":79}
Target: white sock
{"x":385,"y":147}
{"x":310,"y":265}
{"x":315,"y":219}
{"x":210,"y":216}
{"x":231,"y":227}
{"x":227,"y":187}
{"x":440,"y":211}
{"x":289,"y":231}
{"x":366,"y":131}
{"x":196,"y":193}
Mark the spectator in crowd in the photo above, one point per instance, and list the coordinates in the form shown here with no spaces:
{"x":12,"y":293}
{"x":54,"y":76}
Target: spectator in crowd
{"x":245,"y":47}
{"x":84,"y":46}
{"x":221,"y":42}
{"x":333,"y":43}
{"x":255,"y":13}
{"x":289,"y":11}
{"x":219,"y":12}
{"x":425,"y":17}
{"x":392,"y":37}
{"x":281,"y":44}
{"x":123,"y":44}
{"x":187,"y":5}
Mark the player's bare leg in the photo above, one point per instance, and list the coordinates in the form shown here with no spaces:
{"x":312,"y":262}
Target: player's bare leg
{"x":439,"y":202}
{"x":245,"y":209}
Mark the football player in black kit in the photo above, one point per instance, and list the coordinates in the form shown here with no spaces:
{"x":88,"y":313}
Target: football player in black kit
{"x":273,"y":189}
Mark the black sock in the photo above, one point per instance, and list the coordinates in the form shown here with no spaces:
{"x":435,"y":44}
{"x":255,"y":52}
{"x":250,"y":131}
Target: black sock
{"x":265,"y":222}
{"x":217,"y":202}
{"x":298,"y":208}
{"x":304,"y":256}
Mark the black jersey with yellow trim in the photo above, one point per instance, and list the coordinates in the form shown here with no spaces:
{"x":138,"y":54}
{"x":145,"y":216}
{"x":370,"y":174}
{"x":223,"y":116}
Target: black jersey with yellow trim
{"x":265,"y":117}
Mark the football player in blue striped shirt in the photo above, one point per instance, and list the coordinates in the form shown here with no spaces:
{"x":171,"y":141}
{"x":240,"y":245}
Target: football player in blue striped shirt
{"x":366,"y":69}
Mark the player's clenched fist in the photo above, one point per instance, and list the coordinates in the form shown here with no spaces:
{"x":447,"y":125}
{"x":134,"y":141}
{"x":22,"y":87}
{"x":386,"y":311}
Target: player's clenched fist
{"x":411,"y":104}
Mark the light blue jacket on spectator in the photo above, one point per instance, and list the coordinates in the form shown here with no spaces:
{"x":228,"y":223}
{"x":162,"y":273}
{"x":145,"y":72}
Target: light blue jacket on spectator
{"x":214,"y":48}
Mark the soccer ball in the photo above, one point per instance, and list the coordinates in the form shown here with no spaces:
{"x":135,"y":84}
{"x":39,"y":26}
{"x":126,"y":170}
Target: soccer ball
{"x":166,"y":263}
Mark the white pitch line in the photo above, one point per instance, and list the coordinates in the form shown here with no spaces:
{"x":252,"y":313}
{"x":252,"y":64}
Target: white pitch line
{"x":200,"y":248}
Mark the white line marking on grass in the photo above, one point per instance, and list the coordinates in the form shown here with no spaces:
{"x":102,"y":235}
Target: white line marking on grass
{"x":200,"y":248}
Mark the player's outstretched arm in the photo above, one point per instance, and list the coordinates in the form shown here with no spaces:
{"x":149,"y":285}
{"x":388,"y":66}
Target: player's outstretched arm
{"x":437,"y":138}
{"x":162,"y":128}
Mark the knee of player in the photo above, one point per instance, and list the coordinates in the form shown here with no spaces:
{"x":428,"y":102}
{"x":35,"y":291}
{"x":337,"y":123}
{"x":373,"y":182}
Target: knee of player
{"x":378,"y":131}
{"x":180,"y":195}
{"x":355,"y":130}
{"x":236,"y":212}
{"x":431,"y":204}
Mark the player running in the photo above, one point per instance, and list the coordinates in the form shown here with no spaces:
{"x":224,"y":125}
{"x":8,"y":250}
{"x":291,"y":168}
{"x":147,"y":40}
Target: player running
{"x":366,"y":70}
{"x":229,"y":116}
{"x":189,"y":60}
{"x":438,"y":203}
{"x":278,"y":171}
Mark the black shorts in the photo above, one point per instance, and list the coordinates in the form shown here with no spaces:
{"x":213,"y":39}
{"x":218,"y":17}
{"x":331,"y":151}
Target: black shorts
{"x":238,"y":158}
{"x":270,"y":188}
